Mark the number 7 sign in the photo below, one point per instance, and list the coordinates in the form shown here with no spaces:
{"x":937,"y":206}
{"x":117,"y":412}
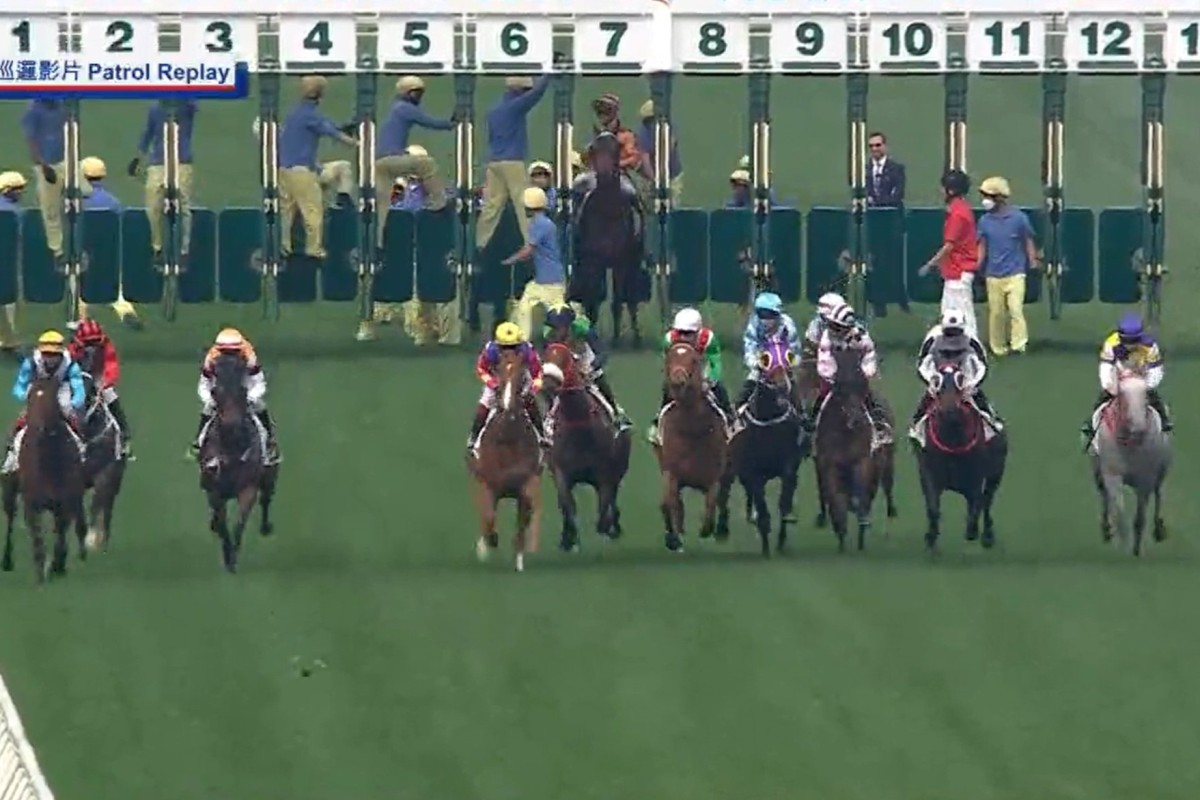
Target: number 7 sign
{"x":612,"y":43}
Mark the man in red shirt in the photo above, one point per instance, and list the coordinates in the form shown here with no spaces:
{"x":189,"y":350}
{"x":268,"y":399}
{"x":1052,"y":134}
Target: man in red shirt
{"x":958,"y":256}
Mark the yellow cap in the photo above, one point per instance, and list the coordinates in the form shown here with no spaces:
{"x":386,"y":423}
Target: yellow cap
{"x":230,"y":337}
{"x":540,"y":165}
{"x":409,"y":83}
{"x":576,"y":159}
{"x":533,"y":197}
{"x":11,"y":180}
{"x":51,"y":342}
{"x":400,"y":182}
{"x":744,"y":162}
{"x":93,"y":168}
{"x":416,"y":150}
{"x":647,"y":109}
{"x":995,"y":186}
{"x":518,"y":82}
{"x":313,"y":86}
{"x":508,"y":334}
{"x":740,"y":176}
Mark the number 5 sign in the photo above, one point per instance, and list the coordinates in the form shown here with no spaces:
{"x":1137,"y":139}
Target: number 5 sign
{"x":525,"y":44}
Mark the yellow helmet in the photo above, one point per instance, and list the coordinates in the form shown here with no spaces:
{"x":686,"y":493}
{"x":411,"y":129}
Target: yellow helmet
{"x":11,"y":180}
{"x":509,"y":334}
{"x":415,"y":150}
{"x":51,"y":342}
{"x":996,"y":187}
{"x":409,"y":83}
{"x":93,"y":168}
{"x":576,"y":159}
{"x":533,"y":197}
{"x":230,"y":339}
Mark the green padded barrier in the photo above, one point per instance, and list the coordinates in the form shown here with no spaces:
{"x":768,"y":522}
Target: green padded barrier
{"x":496,"y":283}
{"x":1079,"y":254}
{"x":42,"y":281}
{"x":338,"y":276}
{"x":10,"y":252}
{"x":1120,"y":237}
{"x":198,"y":283}
{"x":436,"y":241}
{"x":239,"y":238}
{"x":923,"y":227}
{"x":688,"y":283}
{"x":100,"y":282}
{"x":885,"y":244}
{"x":828,"y":239}
{"x":141,"y":282}
{"x":730,"y":238}
{"x":394,"y":281}
{"x":787,"y":239}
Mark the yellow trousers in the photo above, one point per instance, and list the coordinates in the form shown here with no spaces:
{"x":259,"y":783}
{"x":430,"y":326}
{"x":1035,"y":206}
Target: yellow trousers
{"x":423,"y":168}
{"x":305,"y":191}
{"x":1006,"y":314}
{"x":156,"y":193}
{"x":503,"y":181}
{"x":50,"y":201}
{"x":546,"y":295}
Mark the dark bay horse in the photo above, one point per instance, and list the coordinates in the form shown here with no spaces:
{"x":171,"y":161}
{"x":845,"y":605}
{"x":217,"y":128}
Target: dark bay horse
{"x":769,"y":447}
{"x":232,"y":461}
{"x":103,"y":466}
{"x":507,"y":463}
{"x":847,"y":477}
{"x":694,"y":453}
{"x":49,"y":477}
{"x":586,"y":448}
{"x":959,"y":454}
{"x":609,"y":230}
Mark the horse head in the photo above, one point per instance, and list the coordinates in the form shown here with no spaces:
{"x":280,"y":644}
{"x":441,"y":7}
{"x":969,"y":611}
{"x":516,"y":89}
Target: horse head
{"x":565,"y":369}
{"x":850,"y":388}
{"x":954,"y":427}
{"x":683,"y":365}
{"x":773,"y":384}
{"x":949,"y":383}
{"x":1133,"y":403}
{"x":513,"y":371}
{"x":43,"y":416}
{"x":229,"y":396}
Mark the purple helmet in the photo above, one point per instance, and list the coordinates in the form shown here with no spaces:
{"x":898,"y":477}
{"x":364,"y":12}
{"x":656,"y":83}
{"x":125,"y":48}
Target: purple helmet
{"x":1130,"y":329}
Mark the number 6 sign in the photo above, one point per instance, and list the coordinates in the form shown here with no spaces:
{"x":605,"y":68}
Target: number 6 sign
{"x":524,"y":44}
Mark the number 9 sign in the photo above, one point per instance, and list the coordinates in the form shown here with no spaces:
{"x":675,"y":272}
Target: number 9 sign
{"x":525,"y":44}
{"x":806,"y":44}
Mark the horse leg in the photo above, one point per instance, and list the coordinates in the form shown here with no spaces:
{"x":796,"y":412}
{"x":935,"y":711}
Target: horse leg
{"x":1160,"y":527}
{"x":708,"y":525}
{"x":989,"y":497}
{"x":81,"y":527}
{"x":933,"y":507}
{"x":606,"y":508}
{"x":863,"y":495}
{"x":33,"y":524}
{"x":524,"y":514}
{"x":616,"y":305}
{"x":62,"y":521}
{"x":749,"y":505}
{"x":671,"y":505}
{"x":634,"y":326}
{"x":974,"y":508}
{"x":888,"y":478}
{"x":569,"y":537}
{"x":266,"y":493}
{"x":787,"y":503}
{"x":220,"y":526}
{"x":10,"y":514}
{"x":822,"y":512}
{"x":1105,"y":513}
{"x":246,"y":498}
{"x":756,"y":488}
{"x":1139,"y":520}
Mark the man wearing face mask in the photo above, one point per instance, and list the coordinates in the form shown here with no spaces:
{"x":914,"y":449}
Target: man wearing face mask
{"x":1006,"y":252}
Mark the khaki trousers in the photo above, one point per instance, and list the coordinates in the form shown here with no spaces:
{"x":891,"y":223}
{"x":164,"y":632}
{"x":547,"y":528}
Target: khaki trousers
{"x":546,"y":295}
{"x":1006,"y":314}
{"x":301,"y":189}
{"x":503,"y":181}
{"x":156,"y":193}
{"x":389,"y":168}
{"x":50,"y":201}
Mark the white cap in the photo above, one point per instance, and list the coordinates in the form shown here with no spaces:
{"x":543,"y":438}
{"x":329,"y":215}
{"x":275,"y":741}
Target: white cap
{"x":688,"y":320}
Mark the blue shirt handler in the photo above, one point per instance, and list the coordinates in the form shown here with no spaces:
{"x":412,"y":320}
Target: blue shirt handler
{"x":305,"y":125}
{"x":43,"y":123}
{"x":404,"y":114}
{"x":1008,"y":241}
{"x":151,"y":140}
{"x":508,"y":136}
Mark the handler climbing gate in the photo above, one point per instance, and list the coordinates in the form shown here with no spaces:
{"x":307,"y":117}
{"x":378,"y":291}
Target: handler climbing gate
{"x":1117,"y":255}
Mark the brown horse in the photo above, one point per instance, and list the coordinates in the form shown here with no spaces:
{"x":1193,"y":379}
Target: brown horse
{"x":694,"y":453}
{"x":847,"y":472}
{"x":103,"y":465}
{"x":231,"y":461}
{"x":49,"y":477}
{"x":507,"y":463}
{"x":586,"y":447}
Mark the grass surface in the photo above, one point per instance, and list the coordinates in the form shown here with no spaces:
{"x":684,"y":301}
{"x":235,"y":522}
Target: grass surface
{"x":1052,"y":668}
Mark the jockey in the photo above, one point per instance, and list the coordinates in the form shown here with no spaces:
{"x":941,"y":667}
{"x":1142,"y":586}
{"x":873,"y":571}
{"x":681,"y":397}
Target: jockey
{"x":586,"y":181}
{"x":541,"y":175}
{"x":231,"y":341}
{"x":688,"y":327}
{"x":94,"y":352}
{"x":49,"y":359}
{"x":508,"y":337}
{"x":769,"y":322}
{"x":954,"y":346}
{"x":565,"y":326}
{"x":826,"y":303}
{"x":953,"y":322}
{"x":842,"y":330}
{"x":1133,"y":347}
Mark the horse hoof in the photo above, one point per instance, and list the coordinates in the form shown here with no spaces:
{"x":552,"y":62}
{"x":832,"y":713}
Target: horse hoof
{"x":972,"y":535}
{"x":892,"y":512}
{"x":481,"y":549}
{"x":931,"y":540}
{"x":520,"y":562}
{"x":493,"y":540}
{"x":1105,"y":535}
{"x":673,"y":543}
{"x":820,"y":521}
{"x":1160,"y":531}
{"x":989,"y":539}
{"x":92,"y":541}
{"x":6,"y":565}
{"x":266,"y":530}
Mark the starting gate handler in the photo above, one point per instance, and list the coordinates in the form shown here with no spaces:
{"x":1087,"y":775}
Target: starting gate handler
{"x":44,"y":125}
{"x":958,"y":256}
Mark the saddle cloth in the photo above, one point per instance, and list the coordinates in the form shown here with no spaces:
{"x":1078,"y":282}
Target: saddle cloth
{"x":1098,"y":420}
{"x":263,"y":441}
{"x":492,"y":414}
{"x":732,"y":427}
{"x":919,"y":430}
{"x":881,"y":431}
{"x":12,"y":458}
{"x":593,"y":393}
{"x":100,"y":409}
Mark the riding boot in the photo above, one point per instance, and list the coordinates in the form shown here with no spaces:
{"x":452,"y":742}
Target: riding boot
{"x":622,"y":419}
{"x":1086,"y":431}
{"x":744,"y":394}
{"x":985,"y":405}
{"x":481,"y":415}
{"x":722,"y":397}
{"x":535,"y":416}
{"x":118,"y":413}
{"x":268,"y":424}
{"x":1159,"y":405}
{"x":194,"y":449}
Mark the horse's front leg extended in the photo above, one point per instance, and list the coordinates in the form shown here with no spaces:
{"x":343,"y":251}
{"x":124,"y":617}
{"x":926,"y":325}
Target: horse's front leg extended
{"x":864,"y":494}
{"x":822,"y":507}
{"x":33,"y":524}
{"x":671,"y":506}
{"x":787,"y":503}
{"x":1139,"y":520}
{"x":62,"y":521}
{"x":220,"y":526}
{"x":266,"y":493}
{"x":80,"y":519}
{"x":1160,"y":526}
{"x":933,"y":505}
{"x":569,"y":537}
{"x":246,"y":499}
{"x":10,"y":513}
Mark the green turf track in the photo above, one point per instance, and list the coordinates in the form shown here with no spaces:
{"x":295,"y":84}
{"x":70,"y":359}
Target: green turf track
{"x":1052,"y":668}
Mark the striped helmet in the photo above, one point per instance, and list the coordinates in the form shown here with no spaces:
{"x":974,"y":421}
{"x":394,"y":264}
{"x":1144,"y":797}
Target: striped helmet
{"x":827,"y":302}
{"x":842,"y":318}
{"x":89,"y":332}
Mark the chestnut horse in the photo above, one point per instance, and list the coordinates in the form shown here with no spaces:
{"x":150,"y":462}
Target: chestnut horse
{"x":507,"y":463}
{"x":585,"y":447}
{"x":694,"y":449}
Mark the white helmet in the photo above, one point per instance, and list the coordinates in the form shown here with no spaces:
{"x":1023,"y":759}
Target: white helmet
{"x":827,"y":302}
{"x":842,"y":317}
{"x":688,"y":320}
{"x":953,"y":320}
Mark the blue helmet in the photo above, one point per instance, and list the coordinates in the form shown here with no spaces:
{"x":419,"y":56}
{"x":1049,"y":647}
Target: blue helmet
{"x":1130,"y":329}
{"x":768,"y":303}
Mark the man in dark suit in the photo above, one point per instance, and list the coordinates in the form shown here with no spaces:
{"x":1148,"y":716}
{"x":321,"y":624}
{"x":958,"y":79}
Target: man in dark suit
{"x":885,"y":189}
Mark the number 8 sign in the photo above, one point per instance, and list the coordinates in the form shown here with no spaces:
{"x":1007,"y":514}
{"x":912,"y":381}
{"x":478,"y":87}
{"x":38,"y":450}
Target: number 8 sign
{"x":525,"y":44}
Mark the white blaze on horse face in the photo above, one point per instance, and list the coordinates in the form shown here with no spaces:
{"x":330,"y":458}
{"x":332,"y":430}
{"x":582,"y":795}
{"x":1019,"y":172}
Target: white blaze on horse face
{"x":506,"y":397}
{"x":1134,"y":396}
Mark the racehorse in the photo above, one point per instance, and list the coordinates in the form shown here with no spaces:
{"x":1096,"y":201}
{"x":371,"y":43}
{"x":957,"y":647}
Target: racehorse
{"x":103,"y":466}
{"x":507,"y":463}
{"x":49,"y":477}
{"x":586,"y":448}
{"x":694,"y":450}
{"x":232,"y":461}
{"x":847,"y":474}
{"x":769,"y":448}
{"x":609,"y":230}
{"x":1132,"y":450}
{"x":959,"y":453}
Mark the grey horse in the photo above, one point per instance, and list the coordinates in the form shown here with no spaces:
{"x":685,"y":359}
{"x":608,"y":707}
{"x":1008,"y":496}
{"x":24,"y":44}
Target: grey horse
{"x":1130,"y":449}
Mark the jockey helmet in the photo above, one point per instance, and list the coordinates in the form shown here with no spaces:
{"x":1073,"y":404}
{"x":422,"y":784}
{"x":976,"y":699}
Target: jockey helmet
{"x":11,"y":180}
{"x":230,"y":339}
{"x":533,"y":197}
{"x":1130,"y":329}
{"x":744,"y":162}
{"x":93,"y":168}
{"x":606,"y":102}
{"x":768,"y":304}
{"x":508,"y":334}
{"x":560,"y":316}
{"x":313,"y":86}
{"x":995,"y":187}
{"x":740,"y":176}
{"x":540,"y":166}
{"x":410,"y":83}
{"x":518,"y":82}
{"x":827,"y":302}
{"x":688,"y":320}
{"x":89,"y":331}
{"x":953,"y":322}
{"x":956,"y":183}
{"x":842,"y":318}
{"x":51,"y":342}
{"x":415,"y":150}
{"x":576,"y":159}
{"x":953,"y":345}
